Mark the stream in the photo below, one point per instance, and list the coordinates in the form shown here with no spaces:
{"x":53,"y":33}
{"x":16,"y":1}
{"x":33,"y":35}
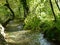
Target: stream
{"x":25,"y":37}
{"x":44,"y":41}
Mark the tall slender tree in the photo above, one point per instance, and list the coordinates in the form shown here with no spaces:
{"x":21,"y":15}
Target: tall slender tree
{"x":58,"y":4}
{"x":51,"y":5}
{"x":25,"y":7}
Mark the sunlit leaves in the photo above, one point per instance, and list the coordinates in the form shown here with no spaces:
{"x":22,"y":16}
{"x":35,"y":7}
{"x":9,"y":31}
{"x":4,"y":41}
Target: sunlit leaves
{"x":2,"y":2}
{"x":32,"y":23}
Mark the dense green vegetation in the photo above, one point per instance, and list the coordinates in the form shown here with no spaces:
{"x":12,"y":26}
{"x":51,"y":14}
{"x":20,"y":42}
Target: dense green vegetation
{"x":36,"y":15}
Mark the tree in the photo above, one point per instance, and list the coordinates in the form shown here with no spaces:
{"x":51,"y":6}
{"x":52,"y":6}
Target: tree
{"x":25,"y":7}
{"x":58,"y":4}
{"x":53,"y":11}
{"x":12,"y":14}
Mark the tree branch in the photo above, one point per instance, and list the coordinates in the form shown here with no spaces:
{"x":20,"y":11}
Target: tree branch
{"x":56,"y":1}
{"x":12,"y":15}
{"x":53,"y":11}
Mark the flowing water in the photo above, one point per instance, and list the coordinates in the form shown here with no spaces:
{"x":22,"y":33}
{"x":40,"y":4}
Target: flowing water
{"x":25,"y":37}
{"x":44,"y":41}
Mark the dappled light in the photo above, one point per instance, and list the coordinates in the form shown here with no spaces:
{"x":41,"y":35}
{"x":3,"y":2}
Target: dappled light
{"x":29,"y":22}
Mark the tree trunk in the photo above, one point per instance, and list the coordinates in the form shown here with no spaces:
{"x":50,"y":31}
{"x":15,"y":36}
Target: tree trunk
{"x":53,"y":11}
{"x":26,"y":8}
{"x":58,"y":4}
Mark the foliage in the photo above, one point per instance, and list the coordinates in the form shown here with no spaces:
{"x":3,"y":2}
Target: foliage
{"x":4,"y":14}
{"x":45,"y":15}
{"x":32,"y":22}
{"x":54,"y":33}
{"x":39,"y":17}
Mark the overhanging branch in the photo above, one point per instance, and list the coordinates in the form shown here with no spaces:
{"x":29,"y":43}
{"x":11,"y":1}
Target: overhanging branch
{"x":12,"y":14}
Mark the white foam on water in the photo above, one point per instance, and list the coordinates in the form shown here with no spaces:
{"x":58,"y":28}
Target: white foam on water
{"x":43,"y":41}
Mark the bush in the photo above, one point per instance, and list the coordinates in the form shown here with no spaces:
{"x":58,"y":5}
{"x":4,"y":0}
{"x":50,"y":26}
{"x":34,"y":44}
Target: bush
{"x":32,"y":23}
{"x":53,"y":34}
{"x":46,"y":25}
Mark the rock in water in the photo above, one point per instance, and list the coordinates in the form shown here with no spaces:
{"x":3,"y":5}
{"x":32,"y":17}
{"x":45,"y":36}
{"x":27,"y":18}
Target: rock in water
{"x":2,"y":35}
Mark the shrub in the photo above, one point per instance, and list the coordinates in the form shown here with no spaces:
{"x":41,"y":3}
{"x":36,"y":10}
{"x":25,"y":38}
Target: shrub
{"x":32,"y":23}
